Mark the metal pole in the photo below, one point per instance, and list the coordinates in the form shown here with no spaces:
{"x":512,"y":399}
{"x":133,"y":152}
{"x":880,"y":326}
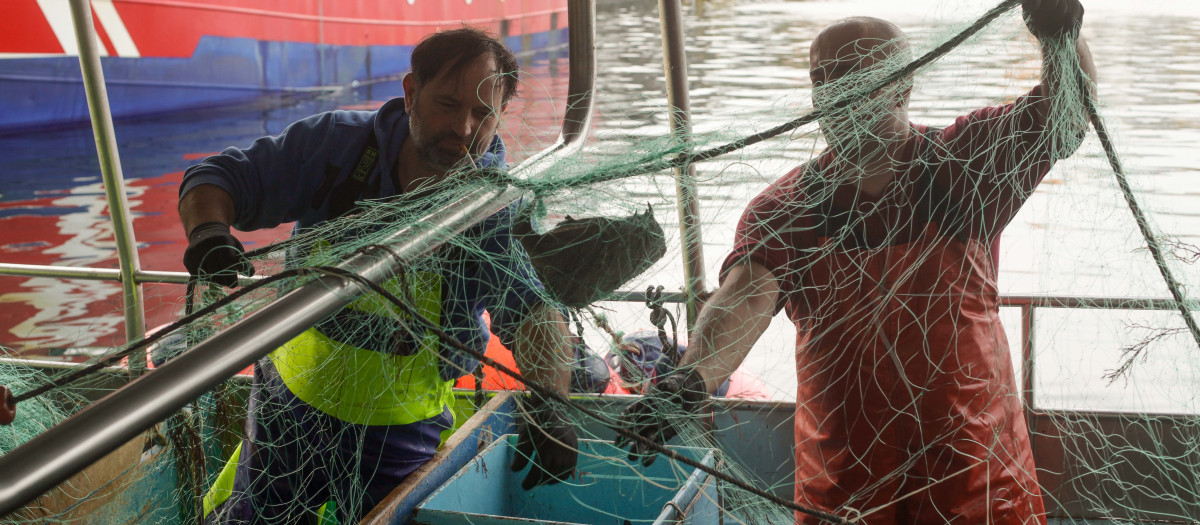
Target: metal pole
{"x":675,"y":64}
{"x":65,"y":449}
{"x":110,"y":169}
{"x":1028,"y":340}
{"x":94,"y":274}
{"x":1028,"y":370}
{"x":1096,"y":303}
{"x":581,"y":80}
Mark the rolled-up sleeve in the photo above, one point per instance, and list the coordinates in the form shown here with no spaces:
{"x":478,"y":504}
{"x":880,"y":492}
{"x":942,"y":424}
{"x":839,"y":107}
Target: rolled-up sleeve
{"x":775,"y":231}
{"x":991,"y":160}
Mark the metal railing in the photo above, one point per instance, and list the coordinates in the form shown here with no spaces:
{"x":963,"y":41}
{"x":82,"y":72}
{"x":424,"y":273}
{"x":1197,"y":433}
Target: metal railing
{"x":1029,"y":304}
{"x":110,"y":169}
{"x":68,"y":447}
{"x":686,"y":193}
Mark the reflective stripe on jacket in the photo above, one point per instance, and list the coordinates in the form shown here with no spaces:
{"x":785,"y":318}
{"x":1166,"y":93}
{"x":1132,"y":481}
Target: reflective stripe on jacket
{"x":372,"y":386}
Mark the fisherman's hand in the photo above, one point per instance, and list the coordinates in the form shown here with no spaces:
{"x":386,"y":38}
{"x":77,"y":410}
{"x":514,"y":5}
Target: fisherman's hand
{"x":215,"y":255}
{"x":548,"y":439}
{"x":650,"y":416}
{"x":1052,"y":18}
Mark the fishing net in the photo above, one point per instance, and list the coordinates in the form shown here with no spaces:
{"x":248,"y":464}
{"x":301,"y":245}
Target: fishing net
{"x":890,"y":366}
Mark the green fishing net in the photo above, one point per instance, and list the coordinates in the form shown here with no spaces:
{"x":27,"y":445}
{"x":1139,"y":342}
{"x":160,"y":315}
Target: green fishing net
{"x":590,"y":223}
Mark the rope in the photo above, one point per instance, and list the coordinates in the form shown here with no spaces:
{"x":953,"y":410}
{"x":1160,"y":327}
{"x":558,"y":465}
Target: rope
{"x":110,"y":359}
{"x":1138,"y":216}
{"x":654,"y":166}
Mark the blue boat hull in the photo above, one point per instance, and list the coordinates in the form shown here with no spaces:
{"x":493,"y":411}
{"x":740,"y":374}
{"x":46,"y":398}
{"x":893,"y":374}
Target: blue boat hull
{"x":48,"y":91}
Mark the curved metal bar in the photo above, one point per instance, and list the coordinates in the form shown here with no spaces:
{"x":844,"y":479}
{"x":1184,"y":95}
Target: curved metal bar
{"x":110,"y":169}
{"x":581,"y":82}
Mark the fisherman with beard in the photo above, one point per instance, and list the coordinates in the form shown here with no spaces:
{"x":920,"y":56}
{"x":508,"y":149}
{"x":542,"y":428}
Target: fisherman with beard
{"x":346,"y":410}
{"x":881,"y":252}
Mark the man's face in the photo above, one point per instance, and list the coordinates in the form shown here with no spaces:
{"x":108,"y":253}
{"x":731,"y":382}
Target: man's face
{"x":844,"y":60}
{"x":453,"y":113}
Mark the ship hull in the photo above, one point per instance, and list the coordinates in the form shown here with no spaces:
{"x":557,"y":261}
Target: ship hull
{"x":162,"y":56}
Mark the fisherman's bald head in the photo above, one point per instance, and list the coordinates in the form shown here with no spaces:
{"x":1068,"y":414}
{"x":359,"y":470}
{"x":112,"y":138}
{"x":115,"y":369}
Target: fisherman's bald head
{"x":852,"y":56}
{"x":853,"y":44}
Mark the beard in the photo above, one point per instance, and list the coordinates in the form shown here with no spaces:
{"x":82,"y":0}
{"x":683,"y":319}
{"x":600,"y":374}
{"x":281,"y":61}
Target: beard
{"x":861,"y":138}
{"x":430,"y":149}
{"x":860,"y":147}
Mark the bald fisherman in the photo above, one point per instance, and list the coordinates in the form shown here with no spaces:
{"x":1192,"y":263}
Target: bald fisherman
{"x":881,"y":251}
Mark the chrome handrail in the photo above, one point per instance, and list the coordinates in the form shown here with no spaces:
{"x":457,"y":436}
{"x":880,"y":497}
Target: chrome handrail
{"x":110,"y":169}
{"x":581,"y":84}
{"x":91,"y":274}
{"x":68,"y":447}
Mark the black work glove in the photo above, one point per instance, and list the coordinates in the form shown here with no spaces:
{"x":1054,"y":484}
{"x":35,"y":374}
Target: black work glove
{"x":548,"y":439}
{"x":1052,"y":18}
{"x":215,"y":255}
{"x":650,"y":416}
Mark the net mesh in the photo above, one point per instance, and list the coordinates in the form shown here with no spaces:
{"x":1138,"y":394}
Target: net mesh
{"x":891,"y":365}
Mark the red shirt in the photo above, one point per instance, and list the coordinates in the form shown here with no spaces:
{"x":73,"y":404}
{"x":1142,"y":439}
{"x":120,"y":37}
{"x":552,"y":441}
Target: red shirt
{"x":983,"y":166}
{"x":903,"y":374}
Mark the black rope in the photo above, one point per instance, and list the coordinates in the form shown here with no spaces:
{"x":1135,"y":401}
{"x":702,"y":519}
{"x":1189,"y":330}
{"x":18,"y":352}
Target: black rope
{"x":1138,"y":216}
{"x":110,"y":359}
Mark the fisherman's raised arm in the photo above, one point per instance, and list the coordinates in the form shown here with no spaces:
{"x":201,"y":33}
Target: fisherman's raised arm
{"x":995,"y":157}
{"x":1056,"y":25}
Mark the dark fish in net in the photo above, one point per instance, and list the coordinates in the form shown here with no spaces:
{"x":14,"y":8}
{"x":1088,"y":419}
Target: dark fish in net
{"x":582,"y":261}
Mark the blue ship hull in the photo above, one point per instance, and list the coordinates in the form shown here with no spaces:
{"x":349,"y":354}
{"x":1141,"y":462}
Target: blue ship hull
{"x":48,"y":91}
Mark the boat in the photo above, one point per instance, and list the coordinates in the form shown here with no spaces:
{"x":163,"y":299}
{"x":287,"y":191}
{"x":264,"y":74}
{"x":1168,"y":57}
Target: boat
{"x":1094,"y":467}
{"x":163,"y":56}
